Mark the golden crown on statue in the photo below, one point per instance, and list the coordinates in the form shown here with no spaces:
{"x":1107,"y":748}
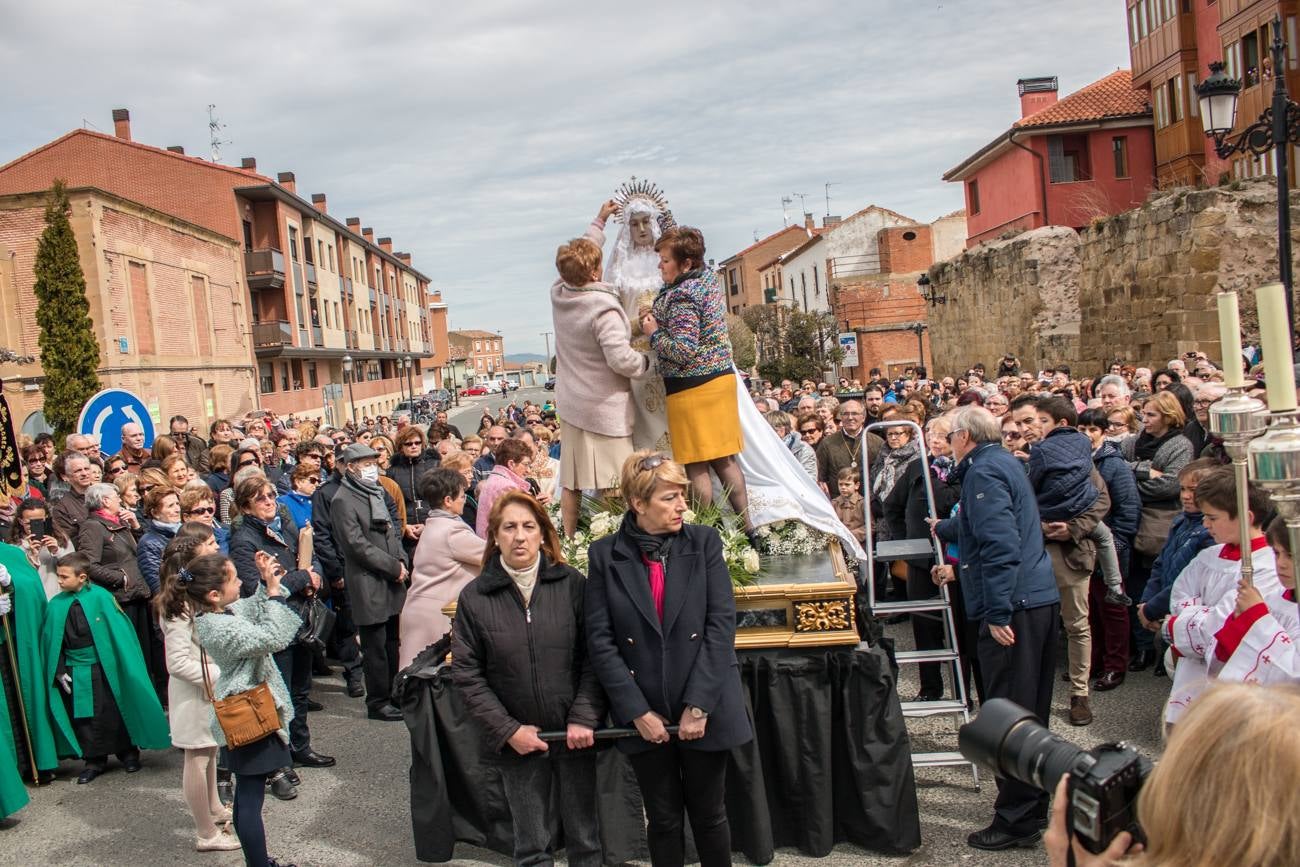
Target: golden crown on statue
{"x":645,"y":191}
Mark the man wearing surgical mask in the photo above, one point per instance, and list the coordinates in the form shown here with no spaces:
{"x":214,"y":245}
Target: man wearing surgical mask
{"x":368,"y":537}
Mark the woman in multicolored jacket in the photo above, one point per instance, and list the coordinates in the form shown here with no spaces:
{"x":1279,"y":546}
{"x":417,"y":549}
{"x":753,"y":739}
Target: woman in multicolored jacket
{"x":688,"y":329}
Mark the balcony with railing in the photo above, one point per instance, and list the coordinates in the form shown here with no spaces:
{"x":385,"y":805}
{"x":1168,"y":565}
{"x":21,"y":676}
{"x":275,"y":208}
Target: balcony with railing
{"x":264,"y":269}
{"x":272,"y":335}
{"x":854,"y":266}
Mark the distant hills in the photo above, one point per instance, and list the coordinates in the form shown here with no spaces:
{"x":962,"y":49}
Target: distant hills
{"x":522,"y":357}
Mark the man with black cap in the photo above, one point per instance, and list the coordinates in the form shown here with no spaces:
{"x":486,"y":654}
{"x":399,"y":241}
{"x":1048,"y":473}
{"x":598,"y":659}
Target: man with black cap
{"x":370,"y":543}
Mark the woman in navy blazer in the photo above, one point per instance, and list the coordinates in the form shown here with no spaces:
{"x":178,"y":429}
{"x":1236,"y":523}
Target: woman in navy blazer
{"x":661,"y":635}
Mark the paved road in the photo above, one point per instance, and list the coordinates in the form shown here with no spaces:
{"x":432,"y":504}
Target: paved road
{"x":466,"y":416}
{"x":357,"y":813}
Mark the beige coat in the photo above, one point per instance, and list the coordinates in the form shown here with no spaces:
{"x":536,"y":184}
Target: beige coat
{"x":188,"y":708}
{"x":594,"y":358}
{"x":448,"y":556}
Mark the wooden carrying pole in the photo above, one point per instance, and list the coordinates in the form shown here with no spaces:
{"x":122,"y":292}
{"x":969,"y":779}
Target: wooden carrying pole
{"x":18,"y":691}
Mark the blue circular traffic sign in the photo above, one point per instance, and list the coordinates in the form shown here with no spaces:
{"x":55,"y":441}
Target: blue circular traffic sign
{"x":107,"y":411}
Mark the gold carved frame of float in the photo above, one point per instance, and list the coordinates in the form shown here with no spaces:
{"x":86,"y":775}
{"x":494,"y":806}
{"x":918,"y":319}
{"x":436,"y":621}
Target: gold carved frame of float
{"x":799,"y":601}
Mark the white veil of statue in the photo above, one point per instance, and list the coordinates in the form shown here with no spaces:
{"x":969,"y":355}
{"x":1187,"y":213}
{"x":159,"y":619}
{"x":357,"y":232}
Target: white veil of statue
{"x":779,"y":488}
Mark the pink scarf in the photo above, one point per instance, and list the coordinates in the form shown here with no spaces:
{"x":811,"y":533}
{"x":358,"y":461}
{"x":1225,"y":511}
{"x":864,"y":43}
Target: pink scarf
{"x":656,"y":568}
{"x":115,"y":520}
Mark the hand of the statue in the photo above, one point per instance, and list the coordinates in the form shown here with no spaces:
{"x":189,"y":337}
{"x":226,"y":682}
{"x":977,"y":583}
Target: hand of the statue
{"x":5,"y":578}
{"x":607,"y":209}
{"x":6,"y":604}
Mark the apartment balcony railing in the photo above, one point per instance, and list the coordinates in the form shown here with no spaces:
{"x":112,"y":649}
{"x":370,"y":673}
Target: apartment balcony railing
{"x":264,"y":269}
{"x":849,"y":266}
{"x":276,"y":333}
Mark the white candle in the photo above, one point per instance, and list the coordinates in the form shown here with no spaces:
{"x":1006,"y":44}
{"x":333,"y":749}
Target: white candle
{"x":1230,"y":340}
{"x":1275,"y":339}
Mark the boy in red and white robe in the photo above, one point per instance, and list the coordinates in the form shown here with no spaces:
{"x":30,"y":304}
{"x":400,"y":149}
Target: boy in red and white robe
{"x":1204,"y":594}
{"x":1259,"y":641}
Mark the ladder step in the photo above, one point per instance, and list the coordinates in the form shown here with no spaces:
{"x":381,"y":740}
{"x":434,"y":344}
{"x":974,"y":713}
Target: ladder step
{"x":934,"y":760}
{"x":934,"y":603}
{"x":932,"y":708}
{"x":941,"y":655}
{"x":904,"y":549}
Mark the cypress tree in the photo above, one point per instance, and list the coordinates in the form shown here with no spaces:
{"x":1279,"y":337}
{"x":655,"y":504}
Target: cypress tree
{"x":69,"y":351}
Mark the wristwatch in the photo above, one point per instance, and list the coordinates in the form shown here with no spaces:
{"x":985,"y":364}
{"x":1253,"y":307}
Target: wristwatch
{"x":698,"y":713}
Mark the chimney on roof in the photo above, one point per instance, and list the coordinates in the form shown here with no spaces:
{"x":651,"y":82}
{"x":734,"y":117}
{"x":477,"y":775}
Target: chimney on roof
{"x":286,"y":180}
{"x":386,"y":244}
{"x":1036,"y":94}
{"x":828,"y":221}
{"x":249,"y":163}
{"x":318,"y":202}
{"x":122,"y":123}
{"x":808,"y":221}
{"x":368,"y":233}
{"x":435,"y":296}
{"x":354,"y":224}
{"x":176,"y":149}
{"x":405,"y":257}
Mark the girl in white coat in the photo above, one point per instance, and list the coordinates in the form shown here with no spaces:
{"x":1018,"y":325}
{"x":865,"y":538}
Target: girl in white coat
{"x":188,"y":710}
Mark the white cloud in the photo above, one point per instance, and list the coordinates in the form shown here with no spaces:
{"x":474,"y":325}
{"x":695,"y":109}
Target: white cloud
{"x":479,"y":136}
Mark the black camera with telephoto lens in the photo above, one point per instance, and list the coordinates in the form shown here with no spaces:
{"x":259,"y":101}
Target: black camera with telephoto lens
{"x":1104,"y":782}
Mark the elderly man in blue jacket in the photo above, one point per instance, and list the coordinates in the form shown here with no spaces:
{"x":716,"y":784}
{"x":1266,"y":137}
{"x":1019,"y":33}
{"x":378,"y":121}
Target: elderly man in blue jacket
{"x":1008,"y":584}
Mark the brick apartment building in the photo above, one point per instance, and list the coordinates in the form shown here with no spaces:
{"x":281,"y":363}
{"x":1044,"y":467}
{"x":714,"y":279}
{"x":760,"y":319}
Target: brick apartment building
{"x":1172,"y":44}
{"x":739,"y":275}
{"x":157,"y":231}
{"x":484,"y":354}
{"x":1064,"y":162}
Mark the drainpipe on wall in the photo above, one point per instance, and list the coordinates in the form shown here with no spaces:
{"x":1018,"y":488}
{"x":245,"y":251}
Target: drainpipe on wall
{"x":1042,"y":171}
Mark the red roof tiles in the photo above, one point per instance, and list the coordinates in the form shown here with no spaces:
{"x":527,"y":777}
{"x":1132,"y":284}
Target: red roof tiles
{"x":1111,"y":97}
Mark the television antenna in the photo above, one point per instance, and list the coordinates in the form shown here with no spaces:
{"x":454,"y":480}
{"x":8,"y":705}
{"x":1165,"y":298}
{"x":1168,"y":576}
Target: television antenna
{"x":785,"y":209}
{"x":803,"y":201}
{"x":829,"y":184}
{"x":214,"y":134}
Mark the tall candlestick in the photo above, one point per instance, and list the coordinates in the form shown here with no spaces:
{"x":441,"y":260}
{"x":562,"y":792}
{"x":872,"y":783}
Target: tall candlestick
{"x":1230,"y":340}
{"x":1275,"y":339}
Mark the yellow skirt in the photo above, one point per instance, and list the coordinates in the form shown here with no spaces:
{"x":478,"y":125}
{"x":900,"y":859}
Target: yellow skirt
{"x":704,"y":421}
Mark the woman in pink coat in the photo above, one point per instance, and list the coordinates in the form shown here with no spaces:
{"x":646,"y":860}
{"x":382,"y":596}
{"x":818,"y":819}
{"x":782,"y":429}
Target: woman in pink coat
{"x":448,"y":556}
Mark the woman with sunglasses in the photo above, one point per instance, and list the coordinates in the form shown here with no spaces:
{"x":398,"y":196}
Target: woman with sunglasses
{"x":243,"y":464}
{"x":199,"y":506}
{"x":305,"y":479}
{"x":406,"y":468}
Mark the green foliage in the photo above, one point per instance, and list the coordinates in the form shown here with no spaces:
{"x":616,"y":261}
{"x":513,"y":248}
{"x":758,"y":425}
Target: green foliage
{"x":69,"y":351}
{"x":742,"y":342}
{"x":792,"y":344}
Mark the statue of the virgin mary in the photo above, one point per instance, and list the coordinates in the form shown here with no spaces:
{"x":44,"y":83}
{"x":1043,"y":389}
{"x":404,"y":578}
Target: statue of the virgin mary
{"x":778,"y":487}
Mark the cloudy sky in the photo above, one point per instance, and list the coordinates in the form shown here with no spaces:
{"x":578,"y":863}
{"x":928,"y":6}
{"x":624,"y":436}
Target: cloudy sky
{"x":480,"y":135}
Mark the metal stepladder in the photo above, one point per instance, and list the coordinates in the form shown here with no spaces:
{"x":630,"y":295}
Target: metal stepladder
{"x":937,"y":606}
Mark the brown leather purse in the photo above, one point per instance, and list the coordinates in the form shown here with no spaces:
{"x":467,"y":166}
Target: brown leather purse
{"x":245,"y":717}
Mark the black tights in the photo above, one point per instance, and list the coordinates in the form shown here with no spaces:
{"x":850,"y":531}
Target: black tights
{"x":250,"y":792}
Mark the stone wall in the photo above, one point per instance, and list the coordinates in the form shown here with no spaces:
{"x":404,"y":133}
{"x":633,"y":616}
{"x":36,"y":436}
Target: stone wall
{"x":1149,"y":276}
{"x":1020,"y":294}
{"x":1139,"y":285}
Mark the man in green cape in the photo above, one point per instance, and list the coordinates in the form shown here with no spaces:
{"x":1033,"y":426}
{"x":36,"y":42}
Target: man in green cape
{"x":28,"y":600}
{"x":117,"y":651}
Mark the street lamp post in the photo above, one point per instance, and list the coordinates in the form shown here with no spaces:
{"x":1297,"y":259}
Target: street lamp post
{"x":918,"y":328}
{"x":1276,"y":128}
{"x":347,"y":375}
{"x":410,"y":387}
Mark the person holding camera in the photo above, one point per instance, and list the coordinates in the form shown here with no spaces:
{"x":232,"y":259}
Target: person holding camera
{"x":1008,"y":584}
{"x":41,"y":541}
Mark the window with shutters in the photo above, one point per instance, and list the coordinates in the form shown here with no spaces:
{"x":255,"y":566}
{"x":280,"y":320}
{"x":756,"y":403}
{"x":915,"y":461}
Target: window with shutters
{"x":141,"y":307}
{"x":202,"y":315}
{"x":1067,"y":157}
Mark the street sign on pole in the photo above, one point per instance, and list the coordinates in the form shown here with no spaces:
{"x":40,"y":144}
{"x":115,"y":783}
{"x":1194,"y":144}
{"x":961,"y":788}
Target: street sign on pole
{"x":107,"y":411}
{"x":849,"y":343}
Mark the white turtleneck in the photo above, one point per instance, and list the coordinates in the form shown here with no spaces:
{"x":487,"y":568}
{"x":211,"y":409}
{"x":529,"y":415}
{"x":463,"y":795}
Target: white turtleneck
{"x":525,"y":579}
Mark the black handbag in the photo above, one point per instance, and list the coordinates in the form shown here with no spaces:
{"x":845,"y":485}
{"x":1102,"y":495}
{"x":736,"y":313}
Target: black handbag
{"x":317,"y":624}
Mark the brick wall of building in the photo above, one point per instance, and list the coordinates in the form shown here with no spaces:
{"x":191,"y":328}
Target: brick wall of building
{"x":880,"y":309}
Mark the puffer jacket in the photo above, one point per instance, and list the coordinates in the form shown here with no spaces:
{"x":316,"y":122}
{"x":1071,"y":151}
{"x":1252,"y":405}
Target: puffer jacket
{"x":1059,"y":469}
{"x":1125,"y":501}
{"x":1004,"y":565}
{"x":524,"y":665}
{"x":149,"y":551}
{"x":111,"y":549}
{"x":1187,"y":538}
{"x":407,"y":473}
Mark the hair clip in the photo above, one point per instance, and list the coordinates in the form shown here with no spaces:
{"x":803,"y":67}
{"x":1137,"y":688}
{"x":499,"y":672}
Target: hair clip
{"x":184,"y":576}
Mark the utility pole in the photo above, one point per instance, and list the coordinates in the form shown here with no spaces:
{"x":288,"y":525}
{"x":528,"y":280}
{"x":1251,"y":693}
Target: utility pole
{"x":829,"y":184}
{"x":546,"y":362}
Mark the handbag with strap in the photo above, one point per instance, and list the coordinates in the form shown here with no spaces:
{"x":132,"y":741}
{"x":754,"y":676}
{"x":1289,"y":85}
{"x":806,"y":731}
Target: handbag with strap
{"x":245,"y":717}
{"x":1153,"y":529}
{"x":317,"y":624}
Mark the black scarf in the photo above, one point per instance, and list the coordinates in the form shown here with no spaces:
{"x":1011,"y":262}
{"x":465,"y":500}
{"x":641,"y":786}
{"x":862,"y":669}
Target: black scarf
{"x":1146,"y":446}
{"x":653,"y":545}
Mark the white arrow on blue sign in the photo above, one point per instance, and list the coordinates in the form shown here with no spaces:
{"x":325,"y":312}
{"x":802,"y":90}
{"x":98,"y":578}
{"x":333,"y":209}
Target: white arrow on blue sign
{"x":107,"y":411}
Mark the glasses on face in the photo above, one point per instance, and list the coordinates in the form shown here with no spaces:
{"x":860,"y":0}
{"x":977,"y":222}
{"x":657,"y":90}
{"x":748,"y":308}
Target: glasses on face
{"x":1012,"y":435}
{"x":807,"y":432}
{"x":315,"y":480}
{"x":416,"y":443}
{"x":850,"y":414}
{"x":242,"y":464}
{"x":1116,"y":425}
{"x":144,"y":489}
{"x":202,"y":510}
{"x":265,"y":496}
